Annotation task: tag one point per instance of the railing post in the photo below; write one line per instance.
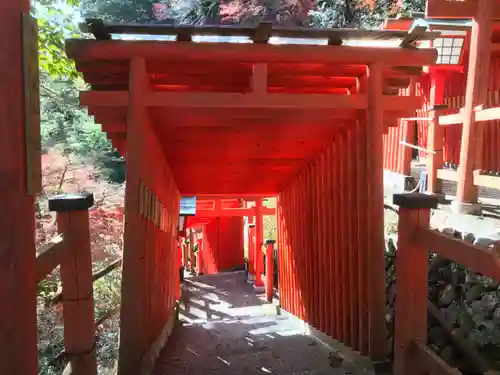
(199, 256)
(435, 135)
(76, 278)
(270, 270)
(259, 254)
(192, 260)
(251, 251)
(412, 263)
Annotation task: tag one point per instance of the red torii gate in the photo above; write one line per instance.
(460, 102)
(307, 125)
(473, 114)
(213, 207)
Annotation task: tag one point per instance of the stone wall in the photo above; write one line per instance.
(464, 308)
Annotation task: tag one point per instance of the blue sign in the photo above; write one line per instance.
(188, 206)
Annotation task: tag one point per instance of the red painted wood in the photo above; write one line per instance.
(210, 247)
(78, 300)
(251, 249)
(330, 241)
(230, 249)
(337, 240)
(361, 158)
(309, 157)
(259, 238)
(411, 275)
(304, 255)
(18, 330)
(353, 226)
(322, 238)
(270, 271)
(344, 239)
(313, 229)
(375, 124)
(294, 257)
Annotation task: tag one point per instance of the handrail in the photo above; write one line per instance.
(48, 257)
(96, 276)
(415, 241)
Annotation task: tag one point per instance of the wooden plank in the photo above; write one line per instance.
(458, 340)
(32, 105)
(478, 259)
(488, 114)
(18, 330)
(487, 181)
(411, 282)
(480, 114)
(447, 175)
(259, 239)
(89, 50)
(103, 30)
(476, 94)
(451, 119)
(249, 101)
(457, 9)
(133, 335)
(49, 257)
(429, 362)
(410, 40)
(435, 134)
(77, 297)
(376, 276)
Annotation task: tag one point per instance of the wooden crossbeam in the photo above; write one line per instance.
(410, 40)
(480, 114)
(249, 101)
(480, 260)
(481, 180)
(428, 361)
(259, 34)
(456, 9)
(234, 212)
(88, 50)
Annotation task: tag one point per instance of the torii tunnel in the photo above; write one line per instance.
(300, 122)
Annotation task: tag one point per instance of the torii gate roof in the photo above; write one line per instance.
(244, 118)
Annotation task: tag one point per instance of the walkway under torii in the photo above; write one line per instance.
(301, 122)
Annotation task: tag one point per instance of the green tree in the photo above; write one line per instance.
(64, 124)
(136, 11)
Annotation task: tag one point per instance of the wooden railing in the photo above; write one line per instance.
(412, 356)
(71, 251)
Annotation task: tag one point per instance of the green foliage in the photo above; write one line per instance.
(137, 11)
(64, 124)
(196, 12)
(56, 22)
(360, 13)
(68, 127)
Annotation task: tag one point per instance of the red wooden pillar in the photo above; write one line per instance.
(435, 140)
(192, 239)
(411, 280)
(18, 350)
(270, 270)
(476, 94)
(135, 299)
(251, 249)
(409, 136)
(375, 249)
(180, 255)
(259, 234)
(199, 255)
